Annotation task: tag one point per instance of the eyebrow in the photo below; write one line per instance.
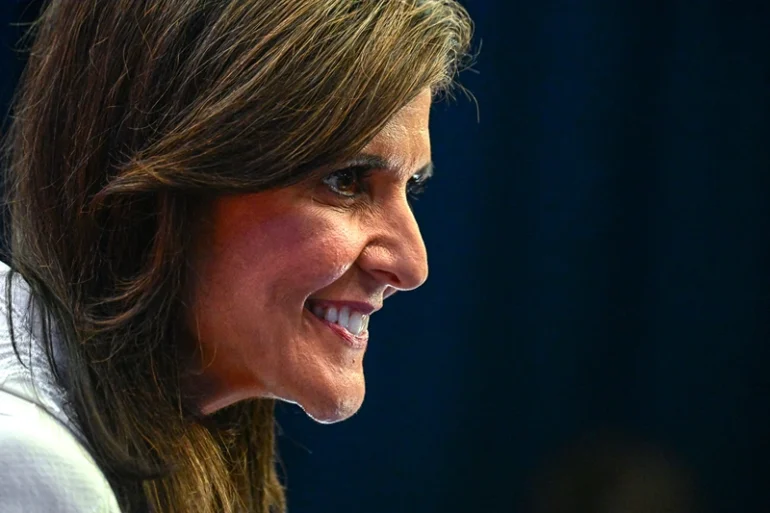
(371, 162)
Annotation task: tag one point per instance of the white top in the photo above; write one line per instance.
(45, 466)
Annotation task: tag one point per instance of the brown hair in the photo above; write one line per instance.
(130, 114)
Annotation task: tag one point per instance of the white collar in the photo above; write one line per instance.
(31, 378)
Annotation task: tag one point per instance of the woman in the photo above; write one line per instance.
(208, 201)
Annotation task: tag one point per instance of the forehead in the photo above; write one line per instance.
(405, 139)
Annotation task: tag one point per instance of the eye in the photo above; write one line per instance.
(416, 185)
(348, 182)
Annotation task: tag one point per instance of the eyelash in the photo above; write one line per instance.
(414, 188)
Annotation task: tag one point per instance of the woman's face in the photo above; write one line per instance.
(284, 281)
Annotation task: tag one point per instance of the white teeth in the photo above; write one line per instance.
(344, 317)
(356, 323)
(353, 321)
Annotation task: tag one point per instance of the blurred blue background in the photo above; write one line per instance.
(594, 334)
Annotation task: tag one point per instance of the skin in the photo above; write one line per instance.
(263, 255)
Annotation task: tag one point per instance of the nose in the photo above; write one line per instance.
(395, 254)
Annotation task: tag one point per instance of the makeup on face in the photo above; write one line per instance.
(286, 280)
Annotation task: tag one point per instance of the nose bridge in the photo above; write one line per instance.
(397, 254)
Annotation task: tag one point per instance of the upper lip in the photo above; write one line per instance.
(359, 306)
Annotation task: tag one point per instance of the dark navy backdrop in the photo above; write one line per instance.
(600, 270)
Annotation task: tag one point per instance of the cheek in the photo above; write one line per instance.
(291, 254)
(318, 254)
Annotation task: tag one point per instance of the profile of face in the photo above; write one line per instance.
(284, 281)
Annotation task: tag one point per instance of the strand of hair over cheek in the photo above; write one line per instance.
(140, 178)
(151, 177)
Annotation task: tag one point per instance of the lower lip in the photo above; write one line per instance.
(356, 342)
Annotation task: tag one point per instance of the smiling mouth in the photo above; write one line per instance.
(352, 322)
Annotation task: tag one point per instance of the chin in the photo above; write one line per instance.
(329, 410)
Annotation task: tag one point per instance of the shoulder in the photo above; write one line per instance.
(43, 466)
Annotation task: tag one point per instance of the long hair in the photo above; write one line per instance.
(130, 116)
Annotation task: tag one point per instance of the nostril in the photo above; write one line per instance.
(391, 278)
